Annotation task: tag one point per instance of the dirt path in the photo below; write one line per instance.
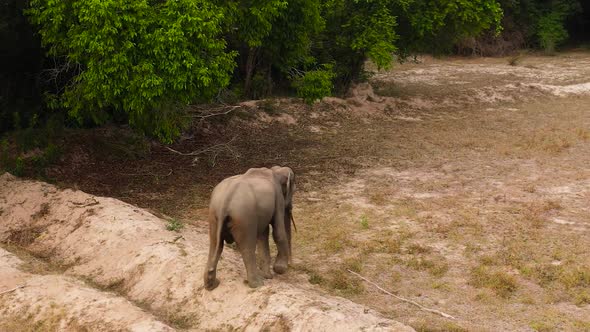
(462, 184)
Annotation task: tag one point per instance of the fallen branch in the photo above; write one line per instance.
(214, 149)
(204, 115)
(87, 202)
(148, 174)
(13, 289)
(401, 298)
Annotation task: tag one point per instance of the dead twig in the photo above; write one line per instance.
(215, 150)
(87, 202)
(148, 174)
(203, 115)
(13, 289)
(403, 299)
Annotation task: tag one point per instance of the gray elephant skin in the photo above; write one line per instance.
(242, 209)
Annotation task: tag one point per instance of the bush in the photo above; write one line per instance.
(551, 32)
(143, 58)
(315, 84)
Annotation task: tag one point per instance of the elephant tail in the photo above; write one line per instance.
(222, 220)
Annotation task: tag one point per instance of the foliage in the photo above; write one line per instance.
(356, 30)
(271, 38)
(541, 22)
(144, 58)
(435, 25)
(142, 61)
(314, 84)
(550, 29)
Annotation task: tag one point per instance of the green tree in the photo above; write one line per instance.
(250, 22)
(436, 25)
(356, 30)
(143, 58)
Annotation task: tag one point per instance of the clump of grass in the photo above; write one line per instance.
(501, 283)
(582, 325)
(336, 240)
(174, 225)
(179, 320)
(315, 278)
(354, 263)
(364, 222)
(535, 214)
(544, 274)
(582, 297)
(577, 276)
(343, 282)
(436, 267)
(441, 327)
(488, 260)
(550, 141)
(415, 248)
(386, 244)
(516, 59)
(543, 326)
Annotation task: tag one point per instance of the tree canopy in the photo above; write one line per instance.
(143, 61)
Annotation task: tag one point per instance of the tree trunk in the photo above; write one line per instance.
(250, 64)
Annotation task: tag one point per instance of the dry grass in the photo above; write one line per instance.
(500, 282)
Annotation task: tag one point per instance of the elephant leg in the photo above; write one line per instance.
(279, 235)
(246, 241)
(215, 250)
(264, 251)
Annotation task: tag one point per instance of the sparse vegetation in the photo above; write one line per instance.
(503, 284)
(175, 225)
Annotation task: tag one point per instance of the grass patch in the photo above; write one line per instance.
(174, 225)
(543, 326)
(354, 263)
(364, 222)
(337, 240)
(343, 282)
(437, 267)
(442, 327)
(500, 282)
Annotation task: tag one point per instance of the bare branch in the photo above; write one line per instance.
(403, 299)
(149, 174)
(203, 115)
(215, 150)
(12, 289)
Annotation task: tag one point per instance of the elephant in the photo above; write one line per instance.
(242, 208)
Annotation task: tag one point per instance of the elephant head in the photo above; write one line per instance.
(286, 177)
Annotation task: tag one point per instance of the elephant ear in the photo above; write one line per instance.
(286, 178)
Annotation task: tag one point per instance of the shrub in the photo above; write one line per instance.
(315, 84)
(551, 32)
(146, 59)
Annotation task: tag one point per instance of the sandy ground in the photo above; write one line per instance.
(461, 184)
(116, 267)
